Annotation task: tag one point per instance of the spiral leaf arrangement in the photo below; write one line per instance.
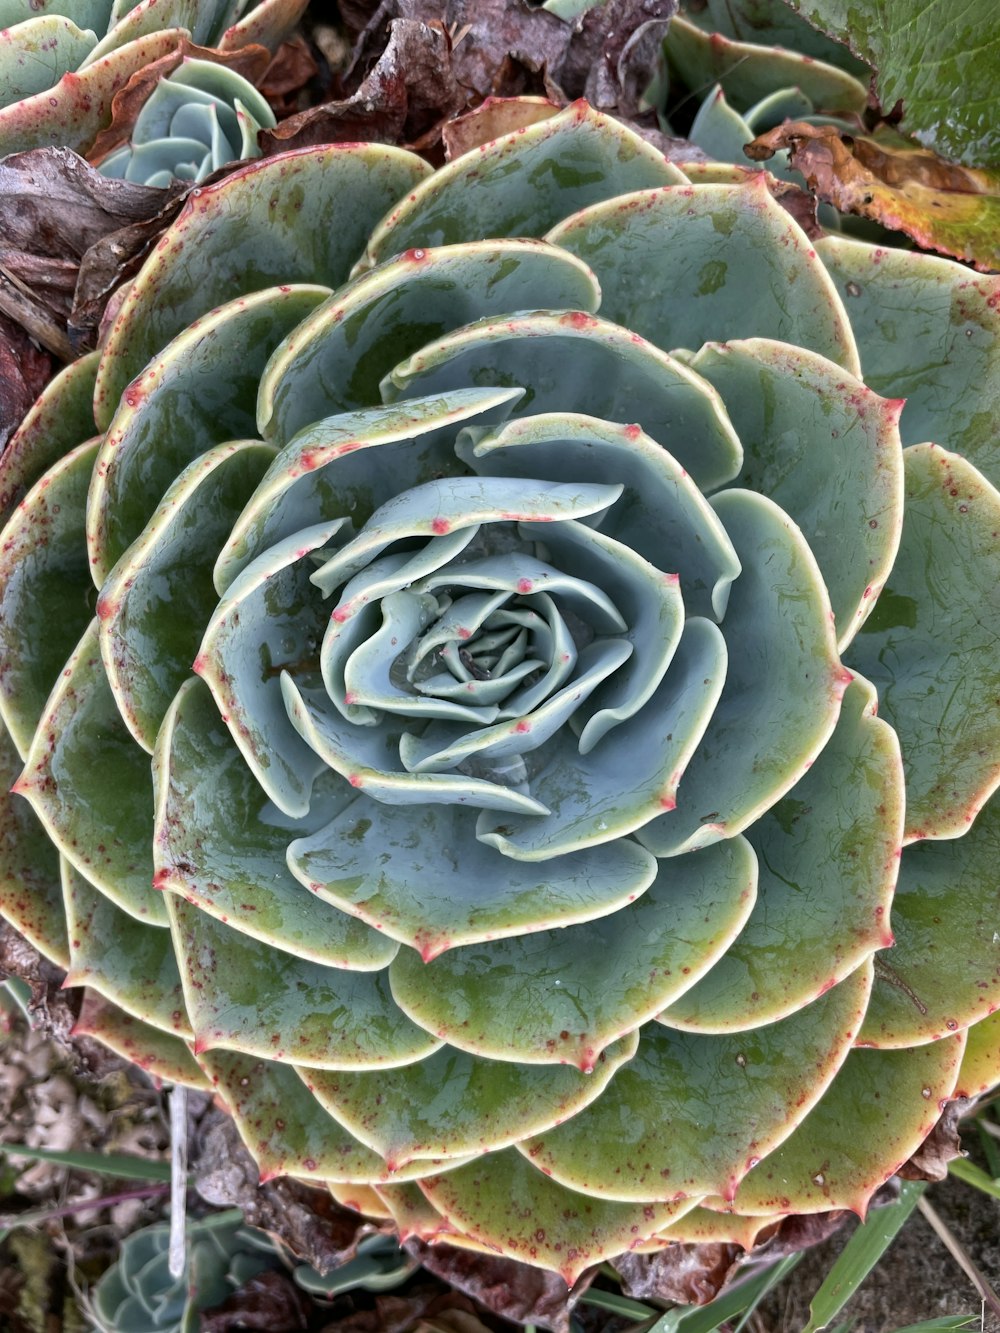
(506, 703)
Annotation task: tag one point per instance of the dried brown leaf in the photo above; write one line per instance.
(270, 1302)
(511, 1289)
(952, 209)
(24, 371)
(305, 1219)
(285, 79)
(941, 1146)
(687, 1274)
(407, 92)
(497, 116)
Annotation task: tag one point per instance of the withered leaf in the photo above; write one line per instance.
(269, 1302)
(941, 1146)
(417, 64)
(24, 371)
(952, 209)
(514, 1290)
(304, 1218)
(284, 81)
(687, 1274)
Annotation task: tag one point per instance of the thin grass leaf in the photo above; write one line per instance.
(708, 1318)
(949, 1323)
(974, 1175)
(860, 1255)
(123, 1165)
(616, 1303)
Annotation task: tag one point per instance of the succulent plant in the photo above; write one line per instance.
(196, 120)
(488, 711)
(761, 64)
(61, 63)
(137, 1294)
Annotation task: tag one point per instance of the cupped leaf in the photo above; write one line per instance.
(128, 962)
(288, 1132)
(980, 1069)
(694, 264)
(562, 996)
(243, 997)
(597, 368)
(826, 449)
(38, 52)
(30, 890)
(454, 1105)
(200, 391)
(661, 515)
(162, 1055)
(523, 183)
(774, 23)
(220, 843)
(202, 260)
(267, 22)
(159, 597)
(61, 418)
(829, 856)
(335, 360)
(397, 873)
(729, 1101)
(90, 785)
(45, 593)
(632, 774)
(502, 1201)
(749, 71)
(872, 1118)
(270, 621)
(930, 647)
(944, 972)
(327, 470)
(930, 330)
(73, 111)
(783, 689)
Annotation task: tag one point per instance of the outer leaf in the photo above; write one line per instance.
(163, 1056)
(829, 856)
(285, 1008)
(549, 1226)
(454, 1105)
(729, 1101)
(981, 1063)
(562, 996)
(931, 653)
(944, 972)
(685, 266)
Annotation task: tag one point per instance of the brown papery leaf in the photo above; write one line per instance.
(514, 1290)
(687, 1274)
(497, 116)
(941, 1146)
(304, 1218)
(250, 61)
(24, 372)
(952, 209)
(269, 1302)
(418, 64)
(284, 80)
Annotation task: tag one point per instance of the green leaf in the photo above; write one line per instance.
(860, 1255)
(974, 1175)
(939, 58)
(125, 1165)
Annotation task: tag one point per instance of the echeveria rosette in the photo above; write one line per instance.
(62, 61)
(536, 679)
(195, 120)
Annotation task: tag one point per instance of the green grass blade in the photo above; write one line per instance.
(707, 1318)
(949, 1323)
(860, 1255)
(121, 1165)
(962, 1169)
(615, 1303)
